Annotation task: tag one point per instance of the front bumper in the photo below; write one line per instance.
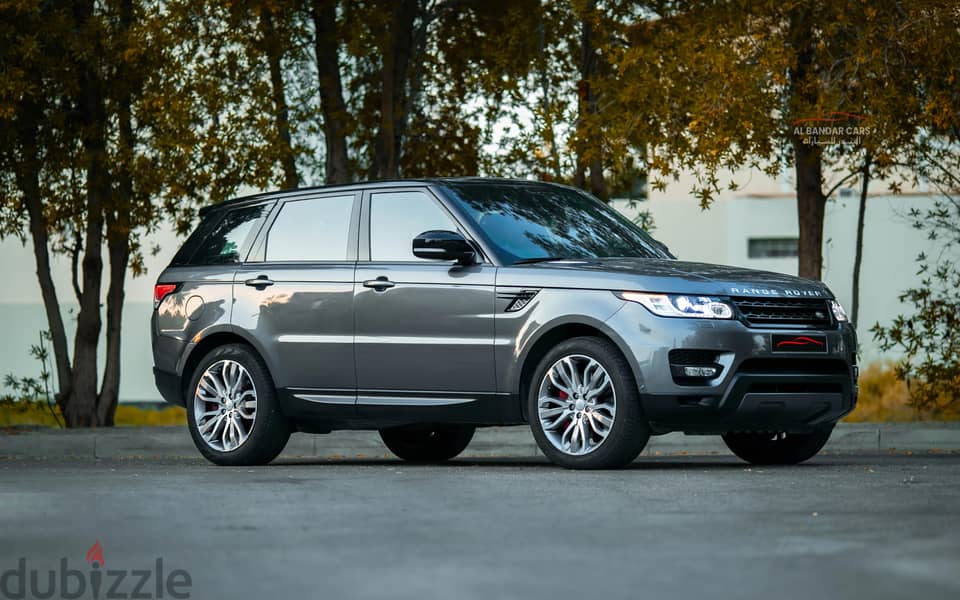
(757, 390)
(772, 401)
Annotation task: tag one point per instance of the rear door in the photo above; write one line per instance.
(425, 330)
(294, 296)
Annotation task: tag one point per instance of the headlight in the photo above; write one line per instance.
(674, 305)
(838, 313)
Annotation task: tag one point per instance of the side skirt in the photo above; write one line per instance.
(326, 410)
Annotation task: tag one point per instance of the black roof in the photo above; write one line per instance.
(253, 198)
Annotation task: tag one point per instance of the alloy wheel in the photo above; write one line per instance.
(576, 404)
(225, 405)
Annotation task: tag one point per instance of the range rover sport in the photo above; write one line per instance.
(424, 309)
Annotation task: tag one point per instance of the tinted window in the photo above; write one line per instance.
(225, 240)
(398, 217)
(310, 230)
(530, 221)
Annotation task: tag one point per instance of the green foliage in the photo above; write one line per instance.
(929, 335)
(28, 393)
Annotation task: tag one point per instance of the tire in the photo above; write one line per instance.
(607, 435)
(427, 443)
(777, 448)
(266, 433)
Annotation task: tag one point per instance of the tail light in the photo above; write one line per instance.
(161, 291)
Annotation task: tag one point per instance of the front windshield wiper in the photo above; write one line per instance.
(539, 259)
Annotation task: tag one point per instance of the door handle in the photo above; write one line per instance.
(380, 284)
(259, 282)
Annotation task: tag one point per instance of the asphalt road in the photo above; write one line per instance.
(678, 527)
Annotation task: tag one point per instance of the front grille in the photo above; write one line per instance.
(780, 312)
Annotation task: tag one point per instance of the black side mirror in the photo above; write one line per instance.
(444, 245)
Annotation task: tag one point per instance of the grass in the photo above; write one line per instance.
(883, 398)
(13, 414)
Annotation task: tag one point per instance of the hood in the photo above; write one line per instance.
(662, 275)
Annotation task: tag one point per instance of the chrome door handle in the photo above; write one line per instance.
(380, 284)
(259, 282)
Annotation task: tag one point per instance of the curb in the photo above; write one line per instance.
(517, 442)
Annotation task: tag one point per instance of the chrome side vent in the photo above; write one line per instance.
(516, 299)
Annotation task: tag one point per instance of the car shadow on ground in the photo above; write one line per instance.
(659, 463)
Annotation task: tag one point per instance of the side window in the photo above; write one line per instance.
(398, 217)
(225, 240)
(316, 229)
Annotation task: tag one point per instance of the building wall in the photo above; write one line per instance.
(718, 235)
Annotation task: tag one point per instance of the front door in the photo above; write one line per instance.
(424, 329)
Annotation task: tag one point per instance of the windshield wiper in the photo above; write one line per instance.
(539, 259)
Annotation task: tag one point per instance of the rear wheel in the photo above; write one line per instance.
(777, 448)
(584, 407)
(427, 444)
(232, 409)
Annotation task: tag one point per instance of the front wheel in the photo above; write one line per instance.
(777, 448)
(427, 444)
(584, 406)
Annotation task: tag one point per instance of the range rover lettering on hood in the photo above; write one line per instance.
(752, 291)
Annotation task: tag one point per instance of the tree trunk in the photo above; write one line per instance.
(811, 204)
(118, 249)
(81, 410)
(273, 48)
(588, 106)
(119, 231)
(858, 256)
(396, 63)
(811, 201)
(326, 47)
(28, 178)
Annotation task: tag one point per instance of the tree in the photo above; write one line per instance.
(99, 146)
(708, 87)
(928, 337)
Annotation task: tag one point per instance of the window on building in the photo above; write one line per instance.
(772, 247)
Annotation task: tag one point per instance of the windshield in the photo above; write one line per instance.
(534, 221)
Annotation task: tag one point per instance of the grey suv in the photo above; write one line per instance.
(424, 309)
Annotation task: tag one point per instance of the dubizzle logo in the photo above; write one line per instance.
(95, 555)
(98, 582)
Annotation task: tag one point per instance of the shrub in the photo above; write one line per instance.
(886, 397)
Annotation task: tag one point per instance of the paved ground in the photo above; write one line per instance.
(677, 527)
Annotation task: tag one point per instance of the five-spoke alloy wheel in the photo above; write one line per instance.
(584, 407)
(232, 410)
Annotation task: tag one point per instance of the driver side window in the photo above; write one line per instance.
(398, 217)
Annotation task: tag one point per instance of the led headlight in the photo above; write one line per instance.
(676, 305)
(838, 313)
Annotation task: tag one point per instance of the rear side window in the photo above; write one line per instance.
(317, 229)
(223, 241)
